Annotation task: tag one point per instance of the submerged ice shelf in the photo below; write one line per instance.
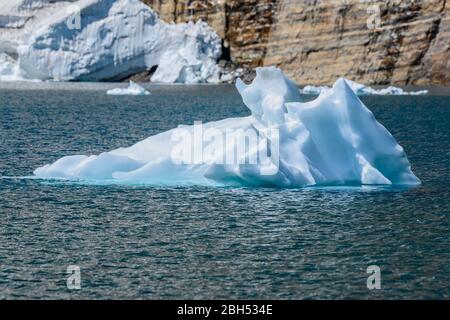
(333, 140)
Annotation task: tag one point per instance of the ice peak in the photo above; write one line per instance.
(267, 95)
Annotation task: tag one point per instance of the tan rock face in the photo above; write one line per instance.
(316, 42)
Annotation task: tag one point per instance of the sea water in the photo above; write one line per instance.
(209, 242)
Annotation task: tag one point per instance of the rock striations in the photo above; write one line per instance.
(399, 42)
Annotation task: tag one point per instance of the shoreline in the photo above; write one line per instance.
(99, 86)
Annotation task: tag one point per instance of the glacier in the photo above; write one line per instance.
(363, 90)
(333, 140)
(102, 40)
(133, 89)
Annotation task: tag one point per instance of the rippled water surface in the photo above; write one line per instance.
(201, 242)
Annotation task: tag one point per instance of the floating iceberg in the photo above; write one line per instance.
(133, 89)
(314, 89)
(333, 140)
(363, 90)
(95, 40)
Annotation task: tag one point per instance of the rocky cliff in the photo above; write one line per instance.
(375, 42)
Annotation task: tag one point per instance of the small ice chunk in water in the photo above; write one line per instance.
(285, 143)
(133, 89)
(363, 90)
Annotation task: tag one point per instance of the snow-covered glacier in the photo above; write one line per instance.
(332, 140)
(94, 40)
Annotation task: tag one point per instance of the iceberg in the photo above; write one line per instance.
(102, 40)
(333, 140)
(133, 89)
(313, 89)
(363, 90)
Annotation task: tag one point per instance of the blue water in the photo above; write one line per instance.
(205, 242)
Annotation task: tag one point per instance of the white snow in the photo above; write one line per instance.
(363, 90)
(333, 140)
(133, 89)
(103, 40)
(8, 68)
